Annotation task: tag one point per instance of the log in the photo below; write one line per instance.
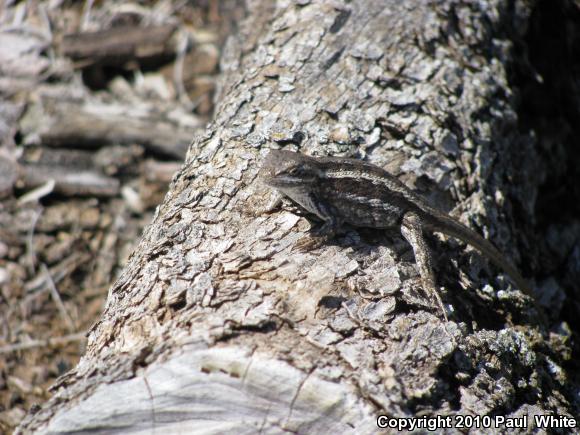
(120, 45)
(72, 172)
(61, 122)
(217, 326)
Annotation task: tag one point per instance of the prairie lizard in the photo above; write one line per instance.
(342, 190)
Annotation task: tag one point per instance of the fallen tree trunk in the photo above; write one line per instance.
(218, 326)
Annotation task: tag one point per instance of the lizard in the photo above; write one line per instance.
(350, 191)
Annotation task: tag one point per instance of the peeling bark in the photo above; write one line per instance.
(217, 326)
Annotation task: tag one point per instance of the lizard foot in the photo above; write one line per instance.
(309, 243)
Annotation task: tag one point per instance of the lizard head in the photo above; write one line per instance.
(286, 170)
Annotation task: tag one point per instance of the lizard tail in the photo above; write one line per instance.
(456, 229)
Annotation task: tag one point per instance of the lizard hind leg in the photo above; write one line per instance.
(412, 231)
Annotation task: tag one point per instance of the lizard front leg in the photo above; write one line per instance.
(325, 233)
(412, 231)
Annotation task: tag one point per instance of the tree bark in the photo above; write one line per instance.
(217, 326)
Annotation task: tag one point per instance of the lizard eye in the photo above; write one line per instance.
(294, 171)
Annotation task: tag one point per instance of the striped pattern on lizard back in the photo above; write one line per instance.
(364, 198)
